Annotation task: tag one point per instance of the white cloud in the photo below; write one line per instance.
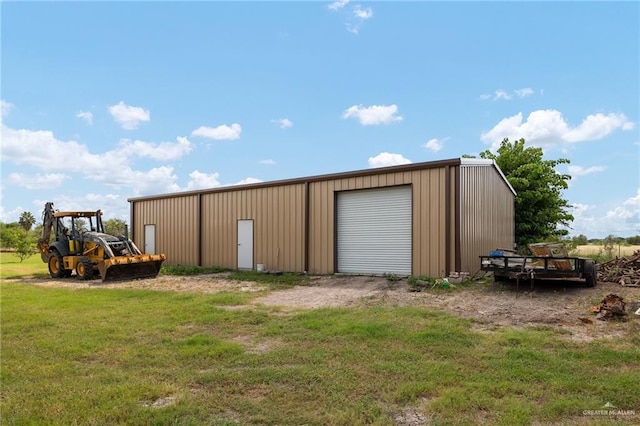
(338, 4)
(524, 92)
(163, 151)
(201, 180)
(356, 15)
(129, 117)
(9, 216)
(158, 180)
(40, 149)
(373, 115)
(597, 126)
(359, 16)
(268, 161)
(284, 123)
(362, 14)
(87, 116)
(247, 181)
(549, 127)
(622, 220)
(222, 132)
(434, 144)
(629, 212)
(582, 171)
(385, 159)
(37, 181)
(502, 94)
(5, 108)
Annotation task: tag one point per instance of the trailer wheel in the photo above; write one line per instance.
(590, 273)
(56, 265)
(84, 269)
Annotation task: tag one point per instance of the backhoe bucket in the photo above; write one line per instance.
(131, 267)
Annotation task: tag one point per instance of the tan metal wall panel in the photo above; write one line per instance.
(278, 215)
(428, 218)
(175, 220)
(429, 226)
(487, 216)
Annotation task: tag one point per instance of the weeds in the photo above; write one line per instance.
(422, 283)
(284, 280)
(392, 279)
(190, 270)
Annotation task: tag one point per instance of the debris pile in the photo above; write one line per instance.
(612, 306)
(625, 270)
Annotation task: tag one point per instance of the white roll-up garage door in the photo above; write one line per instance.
(374, 231)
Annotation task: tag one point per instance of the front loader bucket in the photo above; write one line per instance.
(121, 268)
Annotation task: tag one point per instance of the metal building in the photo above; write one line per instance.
(422, 219)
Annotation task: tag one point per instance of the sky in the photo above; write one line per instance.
(104, 101)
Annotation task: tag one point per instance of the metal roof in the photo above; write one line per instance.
(332, 176)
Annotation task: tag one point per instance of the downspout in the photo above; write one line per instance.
(199, 229)
(131, 221)
(305, 254)
(458, 253)
(447, 219)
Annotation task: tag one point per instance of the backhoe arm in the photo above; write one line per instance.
(47, 224)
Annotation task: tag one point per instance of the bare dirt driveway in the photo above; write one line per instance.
(559, 305)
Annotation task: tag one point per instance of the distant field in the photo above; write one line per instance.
(617, 250)
(11, 267)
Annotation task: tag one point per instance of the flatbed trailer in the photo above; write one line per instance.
(506, 264)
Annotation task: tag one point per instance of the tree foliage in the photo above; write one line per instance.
(580, 240)
(13, 236)
(633, 240)
(10, 234)
(26, 221)
(540, 210)
(115, 227)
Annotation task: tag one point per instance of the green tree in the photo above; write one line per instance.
(609, 242)
(13, 237)
(81, 224)
(10, 234)
(25, 248)
(115, 227)
(26, 221)
(540, 210)
(580, 240)
(633, 240)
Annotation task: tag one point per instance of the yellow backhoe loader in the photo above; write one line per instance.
(89, 253)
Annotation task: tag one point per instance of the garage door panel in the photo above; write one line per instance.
(374, 231)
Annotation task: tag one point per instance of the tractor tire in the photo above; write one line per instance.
(590, 274)
(56, 265)
(84, 269)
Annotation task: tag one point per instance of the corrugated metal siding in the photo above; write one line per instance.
(278, 229)
(176, 227)
(428, 218)
(429, 225)
(487, 217)
(374, 231)
(279, 220)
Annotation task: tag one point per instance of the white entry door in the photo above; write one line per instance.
(150, 239)
(245, 244)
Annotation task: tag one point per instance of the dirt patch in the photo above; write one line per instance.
(491, 305)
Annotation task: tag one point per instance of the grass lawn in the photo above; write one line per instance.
(11, 267)
(99, 356)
